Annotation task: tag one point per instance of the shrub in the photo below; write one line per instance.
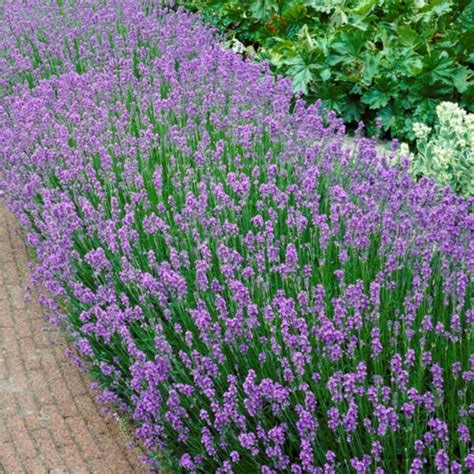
(365, 59)
(44, 39)
(255, 295)
(446, 153)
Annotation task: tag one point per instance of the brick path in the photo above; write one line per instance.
(49, 421)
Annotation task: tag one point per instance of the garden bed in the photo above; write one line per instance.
(255, 295)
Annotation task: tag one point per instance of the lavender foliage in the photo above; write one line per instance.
(255, 294)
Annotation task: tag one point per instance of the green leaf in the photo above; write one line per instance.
(466, 19)
(460, 80)
(301, 74)
(467, 99)
(305, 36)
(375, 98)
(335, 59)
(439, 8)
(411, 63)
(295, 13)
(263, 9)
(332, 96)
(325, 74)
(364, 7)
(350, 44)
(407, 35)
(371, 68)
(387, 116)
(338, 18)
(440, 68)
(351, 110)
(467, 41)
(324, 6)
(426, 111)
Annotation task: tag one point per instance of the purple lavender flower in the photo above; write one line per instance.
(253, 292)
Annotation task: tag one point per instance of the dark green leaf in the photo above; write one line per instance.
(263, 9)
(300, 73)
(371, 68)
(375, 98)
(460, 80)
(466, 19)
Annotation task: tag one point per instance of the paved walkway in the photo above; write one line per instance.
(49, 421)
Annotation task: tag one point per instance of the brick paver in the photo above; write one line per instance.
(49, 420)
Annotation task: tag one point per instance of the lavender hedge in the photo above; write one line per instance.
(255, 295)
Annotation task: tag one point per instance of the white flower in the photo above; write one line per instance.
(421, 130)
(469, 124)
(442, 155)
(404, 150)
(446, 153)
(450, 114)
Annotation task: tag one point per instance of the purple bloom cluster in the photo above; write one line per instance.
(258, 295)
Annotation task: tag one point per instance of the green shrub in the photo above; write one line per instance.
(393, 59)
(446, 152)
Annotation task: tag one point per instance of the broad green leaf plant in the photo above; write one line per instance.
(393, 59)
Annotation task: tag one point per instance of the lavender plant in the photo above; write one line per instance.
(254, 294)
(39, 40)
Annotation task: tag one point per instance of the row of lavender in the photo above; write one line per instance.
(255, 295)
